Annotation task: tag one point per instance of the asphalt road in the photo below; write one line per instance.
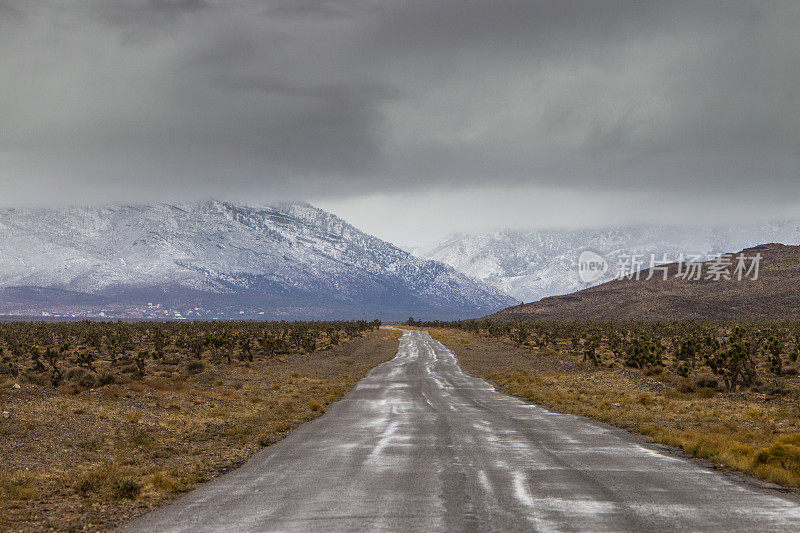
(420, 445)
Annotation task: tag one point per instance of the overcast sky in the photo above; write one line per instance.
(410, 119)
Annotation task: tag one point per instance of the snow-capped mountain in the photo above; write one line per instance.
(220, 259)
(530, 265)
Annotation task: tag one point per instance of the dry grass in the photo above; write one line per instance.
(748, 432)
(92, 459)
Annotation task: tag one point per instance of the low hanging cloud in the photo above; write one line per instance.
(116, 100)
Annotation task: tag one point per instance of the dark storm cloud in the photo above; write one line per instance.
(325, 8)
(654, 94)
(147, 12)
(8, 11)
(117, 99)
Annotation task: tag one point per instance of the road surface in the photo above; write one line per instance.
(420, 445)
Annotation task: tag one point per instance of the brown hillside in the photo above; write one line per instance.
(775, 295)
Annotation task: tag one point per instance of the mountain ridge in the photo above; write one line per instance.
(533, 264)
(773, 295)
(287, 260)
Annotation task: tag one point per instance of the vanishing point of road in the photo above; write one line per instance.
(420, 445)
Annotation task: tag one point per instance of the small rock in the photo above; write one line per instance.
(16, 386)
(6, 414)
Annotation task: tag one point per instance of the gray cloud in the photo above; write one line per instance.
(318, 8)
(111, 100)
(144, 13)
(9, 12)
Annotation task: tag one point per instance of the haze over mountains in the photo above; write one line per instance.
(772, 295)
(220, 260)
(294, 261)
(531, 265)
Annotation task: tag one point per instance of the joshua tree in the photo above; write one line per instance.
(196, 345)
(590, 350)
(245, 350)
(228, 343)
(37, 361)
(642, 353)
(309, 343)
(520, 335)
(687, 351)
(734, 362)
(774, 360)
(333, 335)
(85, 359)
(141, 361)
(52, 357)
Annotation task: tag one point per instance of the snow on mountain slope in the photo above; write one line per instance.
(530, 265)
(291, 260)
